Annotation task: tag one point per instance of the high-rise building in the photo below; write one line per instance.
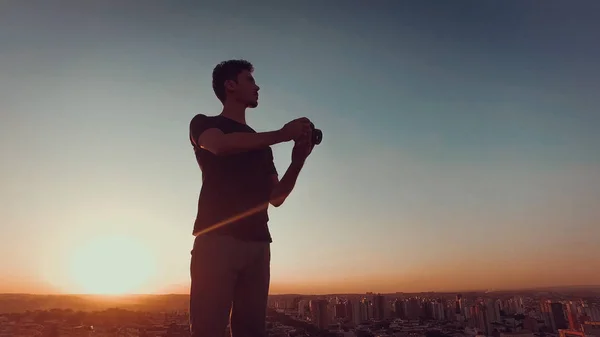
(303, 309)
(493, 311)
(427, 310)
(520, 308)
(546, 315)
(399, 308)
(354, 312)
(513, 306)
(558, 313)
(553, 315)
(379, 307)
(465, 314)
(487, 313)
(413, 311)
(459, 304)
(350, 311)
(498, 304)
(365, 310)
(436, 310)
(477, 317)
(450, 313)
(572, 317)
(319, 313)
(340, 311)
(331, 310)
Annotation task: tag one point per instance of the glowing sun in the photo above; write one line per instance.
(111, 266)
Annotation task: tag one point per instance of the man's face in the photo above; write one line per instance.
(245, 90)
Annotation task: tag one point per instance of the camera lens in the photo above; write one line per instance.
(317, 135)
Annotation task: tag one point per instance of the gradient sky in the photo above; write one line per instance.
(461, 143)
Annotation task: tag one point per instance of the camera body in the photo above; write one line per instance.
(316, 134)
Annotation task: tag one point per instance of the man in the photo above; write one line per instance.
(230, 264)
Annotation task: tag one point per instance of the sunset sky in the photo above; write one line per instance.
(461, 146)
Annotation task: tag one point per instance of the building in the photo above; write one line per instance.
(553, 315)
(340, 310)
(413, 311)
(399, 308)
(572, 317)
(558, 314)
(458, 304)
(365, 312)
(319, 314)
(592, 311)
(379, 307)
(303, 309)
(353, 311)
(591, 329)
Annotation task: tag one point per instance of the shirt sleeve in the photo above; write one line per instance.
(198, 124)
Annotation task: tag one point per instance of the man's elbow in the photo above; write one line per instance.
(276, 201)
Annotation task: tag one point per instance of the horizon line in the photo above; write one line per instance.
(318, 293)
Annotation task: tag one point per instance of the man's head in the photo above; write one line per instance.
(232, 80)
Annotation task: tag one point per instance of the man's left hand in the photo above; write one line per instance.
(302, 149)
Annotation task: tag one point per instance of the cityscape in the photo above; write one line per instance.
(349, 168)
(564, 312)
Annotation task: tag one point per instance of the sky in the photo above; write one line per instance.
(460, 145)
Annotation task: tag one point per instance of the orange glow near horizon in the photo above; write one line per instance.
(118, 264)
(106, 265)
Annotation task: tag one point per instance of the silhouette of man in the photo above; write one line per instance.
(230, 263)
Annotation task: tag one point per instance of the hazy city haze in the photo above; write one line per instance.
(460, 141)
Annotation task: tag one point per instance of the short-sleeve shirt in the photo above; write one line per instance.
(236, 188)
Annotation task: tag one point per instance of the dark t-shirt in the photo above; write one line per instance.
(235, 188)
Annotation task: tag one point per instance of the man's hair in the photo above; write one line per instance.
(228, 70)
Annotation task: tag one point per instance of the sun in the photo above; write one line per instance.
(111, 266)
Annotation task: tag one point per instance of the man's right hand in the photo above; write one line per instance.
(295, 129)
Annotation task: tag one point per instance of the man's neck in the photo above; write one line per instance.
(234, 111)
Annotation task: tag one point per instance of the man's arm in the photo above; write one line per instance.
(212, 139)
(221, 144)
(282, 189)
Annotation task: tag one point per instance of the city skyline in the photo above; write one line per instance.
(524, 314)
(459, 151)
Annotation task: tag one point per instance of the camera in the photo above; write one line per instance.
(317, 134)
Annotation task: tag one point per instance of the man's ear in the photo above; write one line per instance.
(230, 85)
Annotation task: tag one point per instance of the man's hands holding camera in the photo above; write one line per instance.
(295, 129)
(301, 132)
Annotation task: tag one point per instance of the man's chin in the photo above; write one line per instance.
(252, 105)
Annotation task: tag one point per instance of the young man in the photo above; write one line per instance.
(230, 264)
